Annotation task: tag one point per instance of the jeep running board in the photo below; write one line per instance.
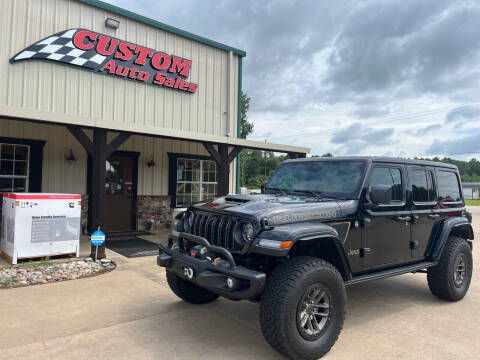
(390, 272)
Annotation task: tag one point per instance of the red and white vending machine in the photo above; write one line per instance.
(40, 224)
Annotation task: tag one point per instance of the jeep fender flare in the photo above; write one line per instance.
(452, 226)
(334, 239)
(303, 232)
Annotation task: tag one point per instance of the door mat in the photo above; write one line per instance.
(132, 247)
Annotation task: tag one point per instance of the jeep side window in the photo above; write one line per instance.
(422, 185)
(448, 186)
(391, 177)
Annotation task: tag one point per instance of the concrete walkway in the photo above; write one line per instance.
(131, 314)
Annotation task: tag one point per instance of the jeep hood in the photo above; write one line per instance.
(279, 209)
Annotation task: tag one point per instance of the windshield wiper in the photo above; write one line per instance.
(277, 189)
(314, 193)
(337, 198)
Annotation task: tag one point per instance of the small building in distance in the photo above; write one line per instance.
(471, 190)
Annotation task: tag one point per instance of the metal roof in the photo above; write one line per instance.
(171, 29)
(379, 159)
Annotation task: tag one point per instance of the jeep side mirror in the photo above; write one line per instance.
(381, 194)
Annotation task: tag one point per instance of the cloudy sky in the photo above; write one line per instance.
(396, 78)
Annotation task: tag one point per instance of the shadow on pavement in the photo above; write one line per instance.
(228, 329)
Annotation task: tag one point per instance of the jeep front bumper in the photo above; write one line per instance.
(212, 275)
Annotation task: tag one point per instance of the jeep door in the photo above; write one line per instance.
(386, 226)
(423, 202)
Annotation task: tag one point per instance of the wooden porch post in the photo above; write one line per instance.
(99, 159)
(223, 158)
(223, 171)
(99, 151)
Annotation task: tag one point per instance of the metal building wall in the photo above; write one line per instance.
(467, 193)
(78, 96)
(59, 175)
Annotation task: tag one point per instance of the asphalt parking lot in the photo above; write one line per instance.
(130, 313)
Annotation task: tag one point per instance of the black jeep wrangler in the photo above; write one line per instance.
(319, 225)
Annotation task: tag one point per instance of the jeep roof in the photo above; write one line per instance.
(376, 159)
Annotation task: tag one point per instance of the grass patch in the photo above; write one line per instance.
(34, 264)
(472, 202)
(40, 263)
(7, 282)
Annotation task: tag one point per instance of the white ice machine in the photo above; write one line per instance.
(40, 224)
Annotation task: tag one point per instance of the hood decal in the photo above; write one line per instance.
(314, 214)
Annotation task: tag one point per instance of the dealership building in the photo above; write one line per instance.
(137, 116)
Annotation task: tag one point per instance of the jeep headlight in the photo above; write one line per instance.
(248, 231)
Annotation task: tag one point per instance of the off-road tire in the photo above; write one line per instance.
(188, 291)
(278, 311)
(440, 277)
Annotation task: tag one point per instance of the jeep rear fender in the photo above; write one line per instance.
(457, 226)
(312, 236)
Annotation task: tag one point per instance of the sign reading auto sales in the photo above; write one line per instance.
(108, 55)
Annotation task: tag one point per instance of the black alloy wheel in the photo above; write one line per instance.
(314, 312)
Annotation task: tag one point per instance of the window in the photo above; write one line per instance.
(422, 185)
(14, 167)
(328, 178)
(196, 181)
(391, 177)
(448, 186)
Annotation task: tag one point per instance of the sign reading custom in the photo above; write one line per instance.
(108, 55)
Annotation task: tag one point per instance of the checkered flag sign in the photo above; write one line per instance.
(60, 47)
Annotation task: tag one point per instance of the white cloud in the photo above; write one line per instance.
(349, 77)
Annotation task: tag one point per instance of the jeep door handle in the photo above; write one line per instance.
(404, 218)
(433, 216)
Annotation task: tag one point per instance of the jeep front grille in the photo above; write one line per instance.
(217, 229)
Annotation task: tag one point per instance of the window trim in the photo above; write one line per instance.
(200, 182)
(35, 165)
(13, 176)
(172, 172)
(404, 187)
(434, 185)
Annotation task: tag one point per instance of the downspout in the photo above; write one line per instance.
(239, 119)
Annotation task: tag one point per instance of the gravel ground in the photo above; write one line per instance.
(43, 272)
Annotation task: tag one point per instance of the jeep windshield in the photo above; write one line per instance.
(325, 179)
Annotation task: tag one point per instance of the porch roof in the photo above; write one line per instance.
(145, 130)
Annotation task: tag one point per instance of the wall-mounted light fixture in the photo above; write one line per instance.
(151, 163)
(112, 23)
(71, 158)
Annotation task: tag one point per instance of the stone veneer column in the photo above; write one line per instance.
(153, 211)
